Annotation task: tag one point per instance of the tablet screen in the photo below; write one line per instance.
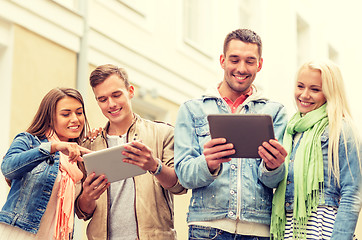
(245, 131)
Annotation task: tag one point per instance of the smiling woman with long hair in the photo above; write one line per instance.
(41, 166)
(320, 197)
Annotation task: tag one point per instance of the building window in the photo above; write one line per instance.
(136, 6)
(303, 41)
(148, 110)
(198, 24)
(71, 4)
(333, 54)
(245, 10)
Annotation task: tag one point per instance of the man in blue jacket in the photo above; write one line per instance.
(231, 197)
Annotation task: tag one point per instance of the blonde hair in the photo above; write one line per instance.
(338, 112)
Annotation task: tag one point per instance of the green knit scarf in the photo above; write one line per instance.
(308, 173)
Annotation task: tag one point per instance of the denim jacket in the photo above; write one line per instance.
(32, 171)
(216, 196)
(347, 197)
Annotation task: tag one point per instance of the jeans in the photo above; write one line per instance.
(201, 232)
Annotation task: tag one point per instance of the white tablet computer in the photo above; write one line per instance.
(109, 162)
(246, 131)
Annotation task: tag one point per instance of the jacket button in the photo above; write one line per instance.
(233, 167)
(287, 204)
(231, 213)
(232, 192)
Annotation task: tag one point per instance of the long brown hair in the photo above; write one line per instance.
(44, 118)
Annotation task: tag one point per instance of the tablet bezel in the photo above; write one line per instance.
(246, 131)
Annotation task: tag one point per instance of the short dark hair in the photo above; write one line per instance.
(244, 35)
(102, 72)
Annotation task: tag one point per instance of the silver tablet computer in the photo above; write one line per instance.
(246, 131)
(109, 162)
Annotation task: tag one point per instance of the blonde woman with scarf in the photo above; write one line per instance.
(41, 166)
(320, 197)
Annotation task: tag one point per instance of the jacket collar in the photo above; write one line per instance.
(135, 119)
(213, 93)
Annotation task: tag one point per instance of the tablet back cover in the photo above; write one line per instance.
(109, 162)
(246, 131)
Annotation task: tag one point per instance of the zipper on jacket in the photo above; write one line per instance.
(108, 208)
(135, 211)
(134, 183)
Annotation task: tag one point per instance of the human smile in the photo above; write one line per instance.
(241, 77)
(305, 104)
(74, 127)
(115, 112)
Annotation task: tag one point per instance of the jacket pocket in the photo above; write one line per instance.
(202, 127)
(202, 131)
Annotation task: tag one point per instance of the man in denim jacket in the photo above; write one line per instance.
(231, 198)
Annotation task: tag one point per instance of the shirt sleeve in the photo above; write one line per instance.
(46, 147)
(350, 188)
(23, 157)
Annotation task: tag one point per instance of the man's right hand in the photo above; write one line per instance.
(93, 188)
(216, 152)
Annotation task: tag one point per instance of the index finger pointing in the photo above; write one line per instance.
(84, 150)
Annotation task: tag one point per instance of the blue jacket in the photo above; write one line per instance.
(32, 171)
(347, 196)
(215, 196)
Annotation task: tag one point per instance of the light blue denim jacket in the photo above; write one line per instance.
(346, 197)
(216, 196)
(32, 171)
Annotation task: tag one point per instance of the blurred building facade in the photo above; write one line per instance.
(170, 49)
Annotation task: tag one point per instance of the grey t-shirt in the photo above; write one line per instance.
(122, 220)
